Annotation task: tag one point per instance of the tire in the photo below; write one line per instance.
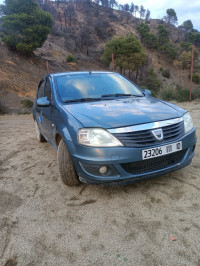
(66, 167)
(39, 136)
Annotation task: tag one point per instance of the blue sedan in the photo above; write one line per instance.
(106, 130)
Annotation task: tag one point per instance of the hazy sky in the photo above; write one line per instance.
(184, 9)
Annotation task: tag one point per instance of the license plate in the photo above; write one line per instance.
(162, 150)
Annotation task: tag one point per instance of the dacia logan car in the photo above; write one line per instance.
(107, 130)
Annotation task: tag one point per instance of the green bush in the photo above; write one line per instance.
(27, 103)
(178, 93)
(169, 50)
(70, 58)
(152, 82)
(167, 93)
(166, 73)
(196, 93)
(196, 78)
(151, 41)
(182, 95)
(185, 45)
(24, 48)
(148, 38)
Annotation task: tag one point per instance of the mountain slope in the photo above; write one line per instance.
(83, 31)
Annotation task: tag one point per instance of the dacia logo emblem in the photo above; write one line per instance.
(158, 133)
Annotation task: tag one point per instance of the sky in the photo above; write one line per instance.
(184, 9)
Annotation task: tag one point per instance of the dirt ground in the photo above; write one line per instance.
(43, 222)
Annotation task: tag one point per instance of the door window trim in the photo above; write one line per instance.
(40, 84)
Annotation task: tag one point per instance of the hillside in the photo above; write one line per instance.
(81, 30)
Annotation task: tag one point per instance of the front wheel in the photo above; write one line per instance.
(66, 167)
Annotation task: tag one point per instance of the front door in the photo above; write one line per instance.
(47, 112)
(40, 94)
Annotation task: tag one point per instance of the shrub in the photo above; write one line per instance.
(27, 103)
(152, 82)
(196, 78)
(166, 73)
(182, 95)
(169, 50)
(185, 45)
(24, 48)
(168, 93)
(70, 58)
(148, 38)
(178, 93)
(196, 93)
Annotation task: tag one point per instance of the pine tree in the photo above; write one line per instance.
(24, 25)
(128, 53)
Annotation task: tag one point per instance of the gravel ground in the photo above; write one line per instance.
(43, 222)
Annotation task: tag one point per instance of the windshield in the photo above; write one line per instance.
(95, 86)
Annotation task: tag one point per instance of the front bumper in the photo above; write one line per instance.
(87, 159)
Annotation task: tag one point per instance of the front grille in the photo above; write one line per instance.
(145, 137)
(154, 164)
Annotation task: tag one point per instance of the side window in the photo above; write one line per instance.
(40, 89)
(47, 92)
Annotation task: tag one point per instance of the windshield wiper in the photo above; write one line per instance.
(102, 96)
(119, 95)
(83, 100)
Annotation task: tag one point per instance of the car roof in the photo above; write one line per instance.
(79, 73)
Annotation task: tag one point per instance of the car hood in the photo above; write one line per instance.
(123, 112)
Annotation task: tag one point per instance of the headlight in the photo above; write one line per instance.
(188, 124)
(97, 137)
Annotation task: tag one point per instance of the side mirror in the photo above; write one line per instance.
(147, 92)
(43, 102)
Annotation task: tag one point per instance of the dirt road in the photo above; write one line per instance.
(43, 222)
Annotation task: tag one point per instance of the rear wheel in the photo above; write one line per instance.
(39, 136)
(66, 167)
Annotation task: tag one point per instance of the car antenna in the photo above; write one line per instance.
(90, 72)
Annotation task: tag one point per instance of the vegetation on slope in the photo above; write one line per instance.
(83, 31)
(24, 25)
(128, 53)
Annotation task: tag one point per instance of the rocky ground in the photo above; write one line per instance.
(43, 222)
